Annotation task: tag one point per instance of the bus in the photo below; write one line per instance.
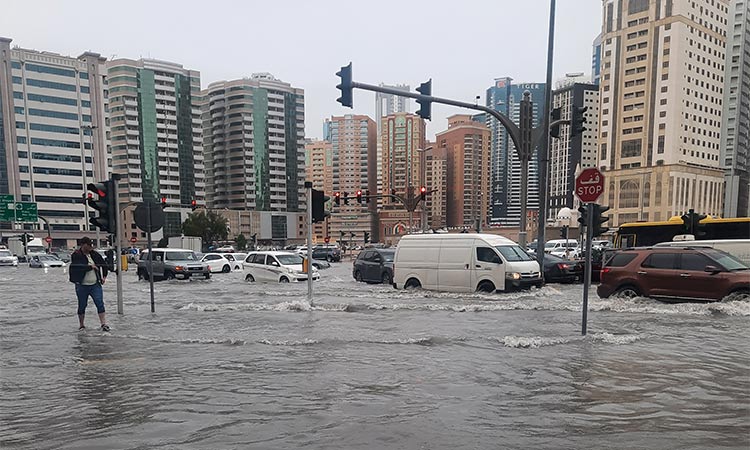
(643, 234)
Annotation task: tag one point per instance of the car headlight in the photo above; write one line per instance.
(179, 268)
(513, 275)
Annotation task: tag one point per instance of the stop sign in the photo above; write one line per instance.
(48, 239)
(589, 185)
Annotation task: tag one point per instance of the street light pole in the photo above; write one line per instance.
(423, 161)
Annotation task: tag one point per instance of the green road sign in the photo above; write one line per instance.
(6, 208)
(26, 212)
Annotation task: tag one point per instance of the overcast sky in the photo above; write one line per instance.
(462, 45)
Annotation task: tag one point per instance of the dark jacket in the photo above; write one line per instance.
(79, 265)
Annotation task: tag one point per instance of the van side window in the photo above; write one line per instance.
(486, 254)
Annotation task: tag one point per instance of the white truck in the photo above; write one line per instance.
(194, 243)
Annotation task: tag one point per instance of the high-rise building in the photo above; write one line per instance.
(354, 151)
(436, 182)
(569, 154)
(661, 93)
(402, 136)
(466, 144)
(596, 60)
(504, 96)
(254, 138)
(385, 105)
(319, 171)
(52, 133)
(156, 135)
(735, 124)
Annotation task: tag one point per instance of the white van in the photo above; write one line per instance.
(739, 248)
(463, 263)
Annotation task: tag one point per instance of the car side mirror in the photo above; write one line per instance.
(712, 269)
(274, 263)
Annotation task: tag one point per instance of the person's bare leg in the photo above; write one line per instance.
(101, 319)
(80, 320)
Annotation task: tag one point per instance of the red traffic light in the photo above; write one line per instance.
(423, 192)
(193, 203)
(164, 200)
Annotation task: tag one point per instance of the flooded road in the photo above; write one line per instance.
(224, 364)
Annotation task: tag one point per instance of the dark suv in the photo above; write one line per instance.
(328, 253)
(677, 274)
(374, 265)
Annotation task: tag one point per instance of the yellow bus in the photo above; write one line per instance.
(642, 234)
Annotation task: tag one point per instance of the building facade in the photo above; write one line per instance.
(596, 60)
(354, 152)
(735, 124)
(436, 182)
(52, 134)
(466, 144)
(402, 138)
(156, 135)
(661, 91)
(505, 96)
(319, 171)
(570, 154)
(254, 142)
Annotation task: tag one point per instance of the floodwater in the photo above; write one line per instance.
(224, 364)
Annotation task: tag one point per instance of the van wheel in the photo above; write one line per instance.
(226, 269)
(358, 276)
(249, 278)
(284, 280)
(386, 278)
(628, 292)
(486, 286)
(329, 259)
(412, 283)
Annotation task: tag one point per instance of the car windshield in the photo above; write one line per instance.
(550, 245)
(513, 253)
(5, 253)
(47, 258)
(729, 262)
(240, 256)
(181, 256)
(289, 260)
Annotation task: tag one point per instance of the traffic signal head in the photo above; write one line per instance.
(564, 232)
(691, 223)
(367, 196)
(346, 198)
(337, 198)
(425, 106)
(599, 219)
(319, 200)
(193, 205)
(367, 237)
(103, 198)
(583, 214)
(359, 196)
(578, 120)
(423, 193)
(554, 129)
(345, 86)
(163, 202)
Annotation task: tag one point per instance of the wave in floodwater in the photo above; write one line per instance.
(644, 306)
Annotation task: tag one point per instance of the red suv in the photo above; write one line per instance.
(669, 273)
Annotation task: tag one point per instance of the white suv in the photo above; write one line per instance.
(277, 266)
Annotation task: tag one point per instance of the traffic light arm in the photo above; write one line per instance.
(512, 128)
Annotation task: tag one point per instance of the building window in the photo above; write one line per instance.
(660, 145)
(631, 148)
(629, 194)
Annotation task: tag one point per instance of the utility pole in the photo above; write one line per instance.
(545, 141)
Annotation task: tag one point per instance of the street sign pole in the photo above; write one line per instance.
(587, 269)
(150, 257)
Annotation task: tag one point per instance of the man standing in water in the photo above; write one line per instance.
(88, 271)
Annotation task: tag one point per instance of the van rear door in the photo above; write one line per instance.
(454, 267)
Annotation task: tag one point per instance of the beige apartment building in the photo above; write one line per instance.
(466, 144)
(436, 180)
(661, 90)
(354, 157)
(319, 171)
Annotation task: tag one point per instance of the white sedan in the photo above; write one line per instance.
(236, 258)
(219, 263)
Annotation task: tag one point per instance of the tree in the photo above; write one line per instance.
(209, 226)
(241, 242)
(163, 242)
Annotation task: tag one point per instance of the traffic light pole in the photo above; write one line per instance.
(308, 187)
(118, 242)
(587, 269)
